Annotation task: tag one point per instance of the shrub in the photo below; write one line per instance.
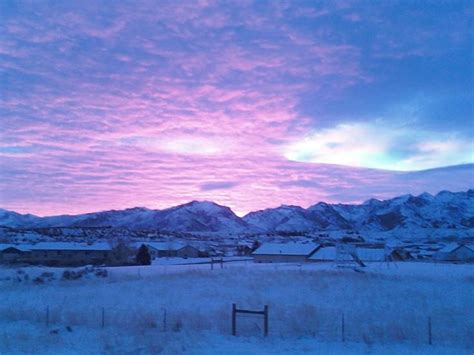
(72, 275)
(178, 326)
(101, 273)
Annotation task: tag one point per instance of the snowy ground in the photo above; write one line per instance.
(385, 309)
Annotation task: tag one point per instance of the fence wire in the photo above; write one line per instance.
(284, 321)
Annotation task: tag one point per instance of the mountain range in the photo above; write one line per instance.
(443, 210)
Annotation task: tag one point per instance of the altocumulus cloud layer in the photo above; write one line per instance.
(248, 103)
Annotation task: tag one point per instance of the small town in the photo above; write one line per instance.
(102, 253)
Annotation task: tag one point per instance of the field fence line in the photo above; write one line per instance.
(322, 324)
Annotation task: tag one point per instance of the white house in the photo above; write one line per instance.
(371, 254)
(359, 254)
(325, 254)
(456, 252)
(284, 252)
(348, 254)
(342, 254)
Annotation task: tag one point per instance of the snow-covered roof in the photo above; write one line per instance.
(445, 253)
(66, 246)
(286, 249)
(422, 252)
(163, 246)
(364, 254)
(371, 254)
(449, 248)
(16, 246)
(326, 253)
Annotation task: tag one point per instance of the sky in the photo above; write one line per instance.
(251, 104)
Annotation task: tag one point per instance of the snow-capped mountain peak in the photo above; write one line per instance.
(443, 210)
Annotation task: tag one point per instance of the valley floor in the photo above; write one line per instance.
(173, 309)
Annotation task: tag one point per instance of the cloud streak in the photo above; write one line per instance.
(382, 145)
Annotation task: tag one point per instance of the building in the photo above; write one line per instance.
(456, 252)
(372, 254)
(188, 251)
(58, 253)
(70, 253)
(326, 254)
(359, 255)
(11, 253)
(162, 249)
(343, 255)
(284, 252)
(170, 249)
(399, 254)
(243, 249)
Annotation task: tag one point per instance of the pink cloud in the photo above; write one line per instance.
(125, 107)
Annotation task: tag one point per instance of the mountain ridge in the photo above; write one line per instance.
(444, 210)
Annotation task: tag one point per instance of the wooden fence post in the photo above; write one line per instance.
(164, 320)
(222, 263)
(343, 328)
(265, 324)
(429, 332)
(233, 320)
(212, 263)
(263, 313)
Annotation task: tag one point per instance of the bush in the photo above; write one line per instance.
(177, 326)
(71, 275)
(76, 275)
(22, 276)
(101, 273)
(44, 277)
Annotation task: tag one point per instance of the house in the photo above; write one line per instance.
(170, 249)
(326, 254)
(359, 254)
(371, 254)
(243, 249)
(188, 251)
(399, 254)
(58, 253)
(342, 254)
(456, 252)
(162, 249)
(284, 252)
(11, 253)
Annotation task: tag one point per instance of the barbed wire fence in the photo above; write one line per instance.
(283, 321)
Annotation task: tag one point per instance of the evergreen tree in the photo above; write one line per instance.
(256, 245)
(143, 256)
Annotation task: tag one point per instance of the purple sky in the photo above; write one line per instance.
(251, 104)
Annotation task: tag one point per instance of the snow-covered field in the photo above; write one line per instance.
(187, 309)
